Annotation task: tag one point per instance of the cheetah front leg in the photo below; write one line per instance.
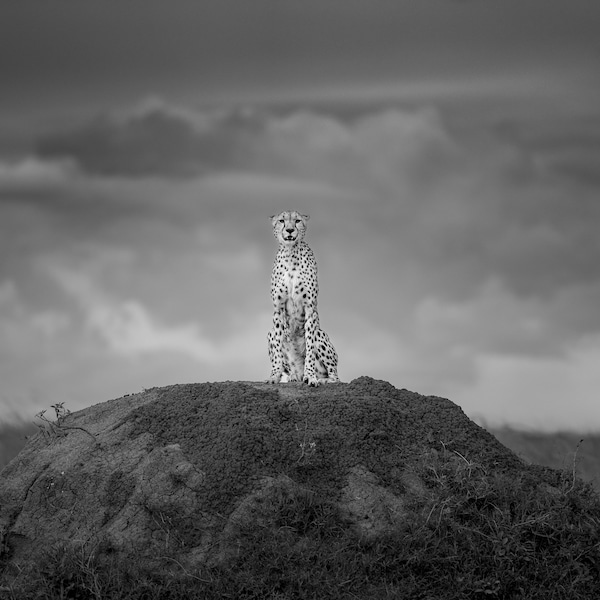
(275, 345)
(310, 327)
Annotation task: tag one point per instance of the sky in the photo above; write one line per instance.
(447, 152)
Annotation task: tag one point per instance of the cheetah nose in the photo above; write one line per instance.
(290, 230)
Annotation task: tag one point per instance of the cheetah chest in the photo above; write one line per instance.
(294, 297)
(293, 289)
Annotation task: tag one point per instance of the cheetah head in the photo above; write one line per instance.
(289, 227)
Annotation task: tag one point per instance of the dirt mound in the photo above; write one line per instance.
(183, 471)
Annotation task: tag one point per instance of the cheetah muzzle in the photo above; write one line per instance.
(298, 347)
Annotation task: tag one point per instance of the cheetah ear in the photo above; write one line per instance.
(305, 217)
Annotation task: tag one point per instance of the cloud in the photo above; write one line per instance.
(444, 249)
(564, 145)
(19, 324)
(479, 323)
(371, 154)
(453, 209)
(244, 49)
(129, 330)
(36, 344)
(545, 393)
(98, 344)
(156, 139)
(159, 139)
(33, 173)
(496, 323)
(126, 326)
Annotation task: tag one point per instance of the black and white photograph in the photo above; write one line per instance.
(171, 175)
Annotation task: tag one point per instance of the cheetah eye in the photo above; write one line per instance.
(281, 221)
(298, 220)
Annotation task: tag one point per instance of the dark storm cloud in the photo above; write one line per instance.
(135, 245)
(463, 224)
(102, 48)
(466, 211)
(157, 141)
(569, 146)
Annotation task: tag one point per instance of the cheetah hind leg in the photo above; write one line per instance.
(329, 377)
(333, 378)
(326, 360)
(319, 375)
(331, 374)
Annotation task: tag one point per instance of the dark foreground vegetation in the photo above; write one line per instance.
(485, 535)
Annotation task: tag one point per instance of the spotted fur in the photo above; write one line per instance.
(298, 347)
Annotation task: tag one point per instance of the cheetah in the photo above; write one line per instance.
(297, 345)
